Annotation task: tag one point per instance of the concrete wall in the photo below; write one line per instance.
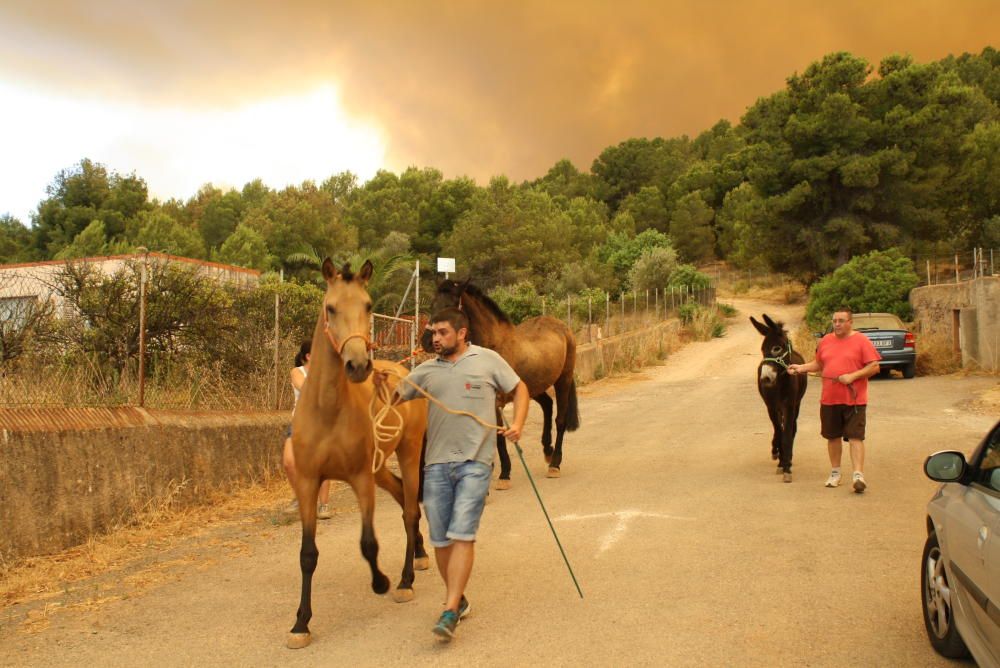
(598, 359)
(69, 473)
(66, 474)
(967, 313)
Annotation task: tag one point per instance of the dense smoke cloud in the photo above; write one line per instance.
(473, 88)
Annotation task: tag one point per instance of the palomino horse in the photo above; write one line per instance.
(332, 437)
(542, 351)
(781, 391)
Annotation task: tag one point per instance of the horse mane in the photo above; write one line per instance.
(345, 272)
(489, 303)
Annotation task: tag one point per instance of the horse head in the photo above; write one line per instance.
(347, 310)
(776, 350)
(448, 295)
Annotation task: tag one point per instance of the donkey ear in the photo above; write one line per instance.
(329, 271)
(760, 328)
(770, 323)
(366, 272)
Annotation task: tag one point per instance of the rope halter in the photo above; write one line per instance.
(782, 359)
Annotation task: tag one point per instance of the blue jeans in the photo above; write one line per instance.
(454, 496)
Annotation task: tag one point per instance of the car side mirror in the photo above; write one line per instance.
(946, 466)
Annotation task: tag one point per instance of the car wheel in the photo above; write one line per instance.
(939, 619)
(910, 370)
(884, 372)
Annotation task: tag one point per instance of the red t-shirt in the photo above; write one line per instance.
(840, 356)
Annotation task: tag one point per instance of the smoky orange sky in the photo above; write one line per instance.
(470, 87)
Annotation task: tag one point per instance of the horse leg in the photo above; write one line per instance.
(394, 485)
(562, 410)
(363, 485)
(545, 401)
(306, 491)
(503, 454)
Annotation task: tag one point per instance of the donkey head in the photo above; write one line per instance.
(347, 312)
(776, 349)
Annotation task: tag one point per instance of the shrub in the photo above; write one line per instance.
(518, 301)
(879, 281)
(686, 274)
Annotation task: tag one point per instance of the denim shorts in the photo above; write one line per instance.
(454, 496)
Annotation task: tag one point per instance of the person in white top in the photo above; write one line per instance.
(298, 378)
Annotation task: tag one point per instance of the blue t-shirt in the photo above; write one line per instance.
(471, 383)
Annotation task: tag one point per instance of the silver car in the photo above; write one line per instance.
(960, 574)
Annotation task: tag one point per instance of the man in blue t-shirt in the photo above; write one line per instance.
(459, 455)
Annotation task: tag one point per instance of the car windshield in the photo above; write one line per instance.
(877, 321)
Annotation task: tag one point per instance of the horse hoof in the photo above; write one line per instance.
(548, 459)
(298, 640)
(553, 472)
(503, 484)
(381, 584)
(779, 470)
(774, 456)
(421, 563)
(786, 477)
(402, 595)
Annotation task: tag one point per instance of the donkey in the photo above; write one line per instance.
(781, 391)
(332, 438)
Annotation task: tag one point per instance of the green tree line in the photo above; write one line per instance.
(846, 159)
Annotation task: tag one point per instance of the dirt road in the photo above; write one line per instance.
(689, 549)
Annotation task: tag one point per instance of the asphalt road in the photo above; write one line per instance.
(689, 549)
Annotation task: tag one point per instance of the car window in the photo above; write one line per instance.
(878, 321)
(989, 467)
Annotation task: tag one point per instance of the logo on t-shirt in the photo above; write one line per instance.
(473, 386)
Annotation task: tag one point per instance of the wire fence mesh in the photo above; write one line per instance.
(212, 337)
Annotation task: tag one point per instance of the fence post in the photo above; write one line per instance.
(928, 272)
(416, 315)
(956, 267)
(672, 307)
(543, 304)
(623, 310)
(590, 319)
(277, 335)
(142, 328)
(569, 312)
(607, 312)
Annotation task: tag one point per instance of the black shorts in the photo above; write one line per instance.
(842, 421)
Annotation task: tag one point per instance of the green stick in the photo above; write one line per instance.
(520, 454)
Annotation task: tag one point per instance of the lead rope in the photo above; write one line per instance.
(520, 453)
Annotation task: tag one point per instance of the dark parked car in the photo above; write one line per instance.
(960, 569)
(891, 339)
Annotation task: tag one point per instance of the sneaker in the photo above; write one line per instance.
(292, 508)
(833, 480)
(859, 482)
(463, 608)
(323, 512)
(445, 627)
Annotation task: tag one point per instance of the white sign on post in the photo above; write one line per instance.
(446, 265)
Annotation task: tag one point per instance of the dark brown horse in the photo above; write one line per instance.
(541, 350)
(332, 437)
(782, 392)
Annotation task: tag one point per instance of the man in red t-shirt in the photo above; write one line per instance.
(846, 360)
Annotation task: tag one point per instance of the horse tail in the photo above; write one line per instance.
(572, 409)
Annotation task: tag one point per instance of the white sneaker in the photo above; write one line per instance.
(833, 480)
(859, 482)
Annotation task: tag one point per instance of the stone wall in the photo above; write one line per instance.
(66, 474)
(966, 313)
(598, 359)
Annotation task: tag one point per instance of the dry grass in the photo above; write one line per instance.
(635, 353)
(767, 287)
(804, 341)
(936, 355)
(157, 528)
